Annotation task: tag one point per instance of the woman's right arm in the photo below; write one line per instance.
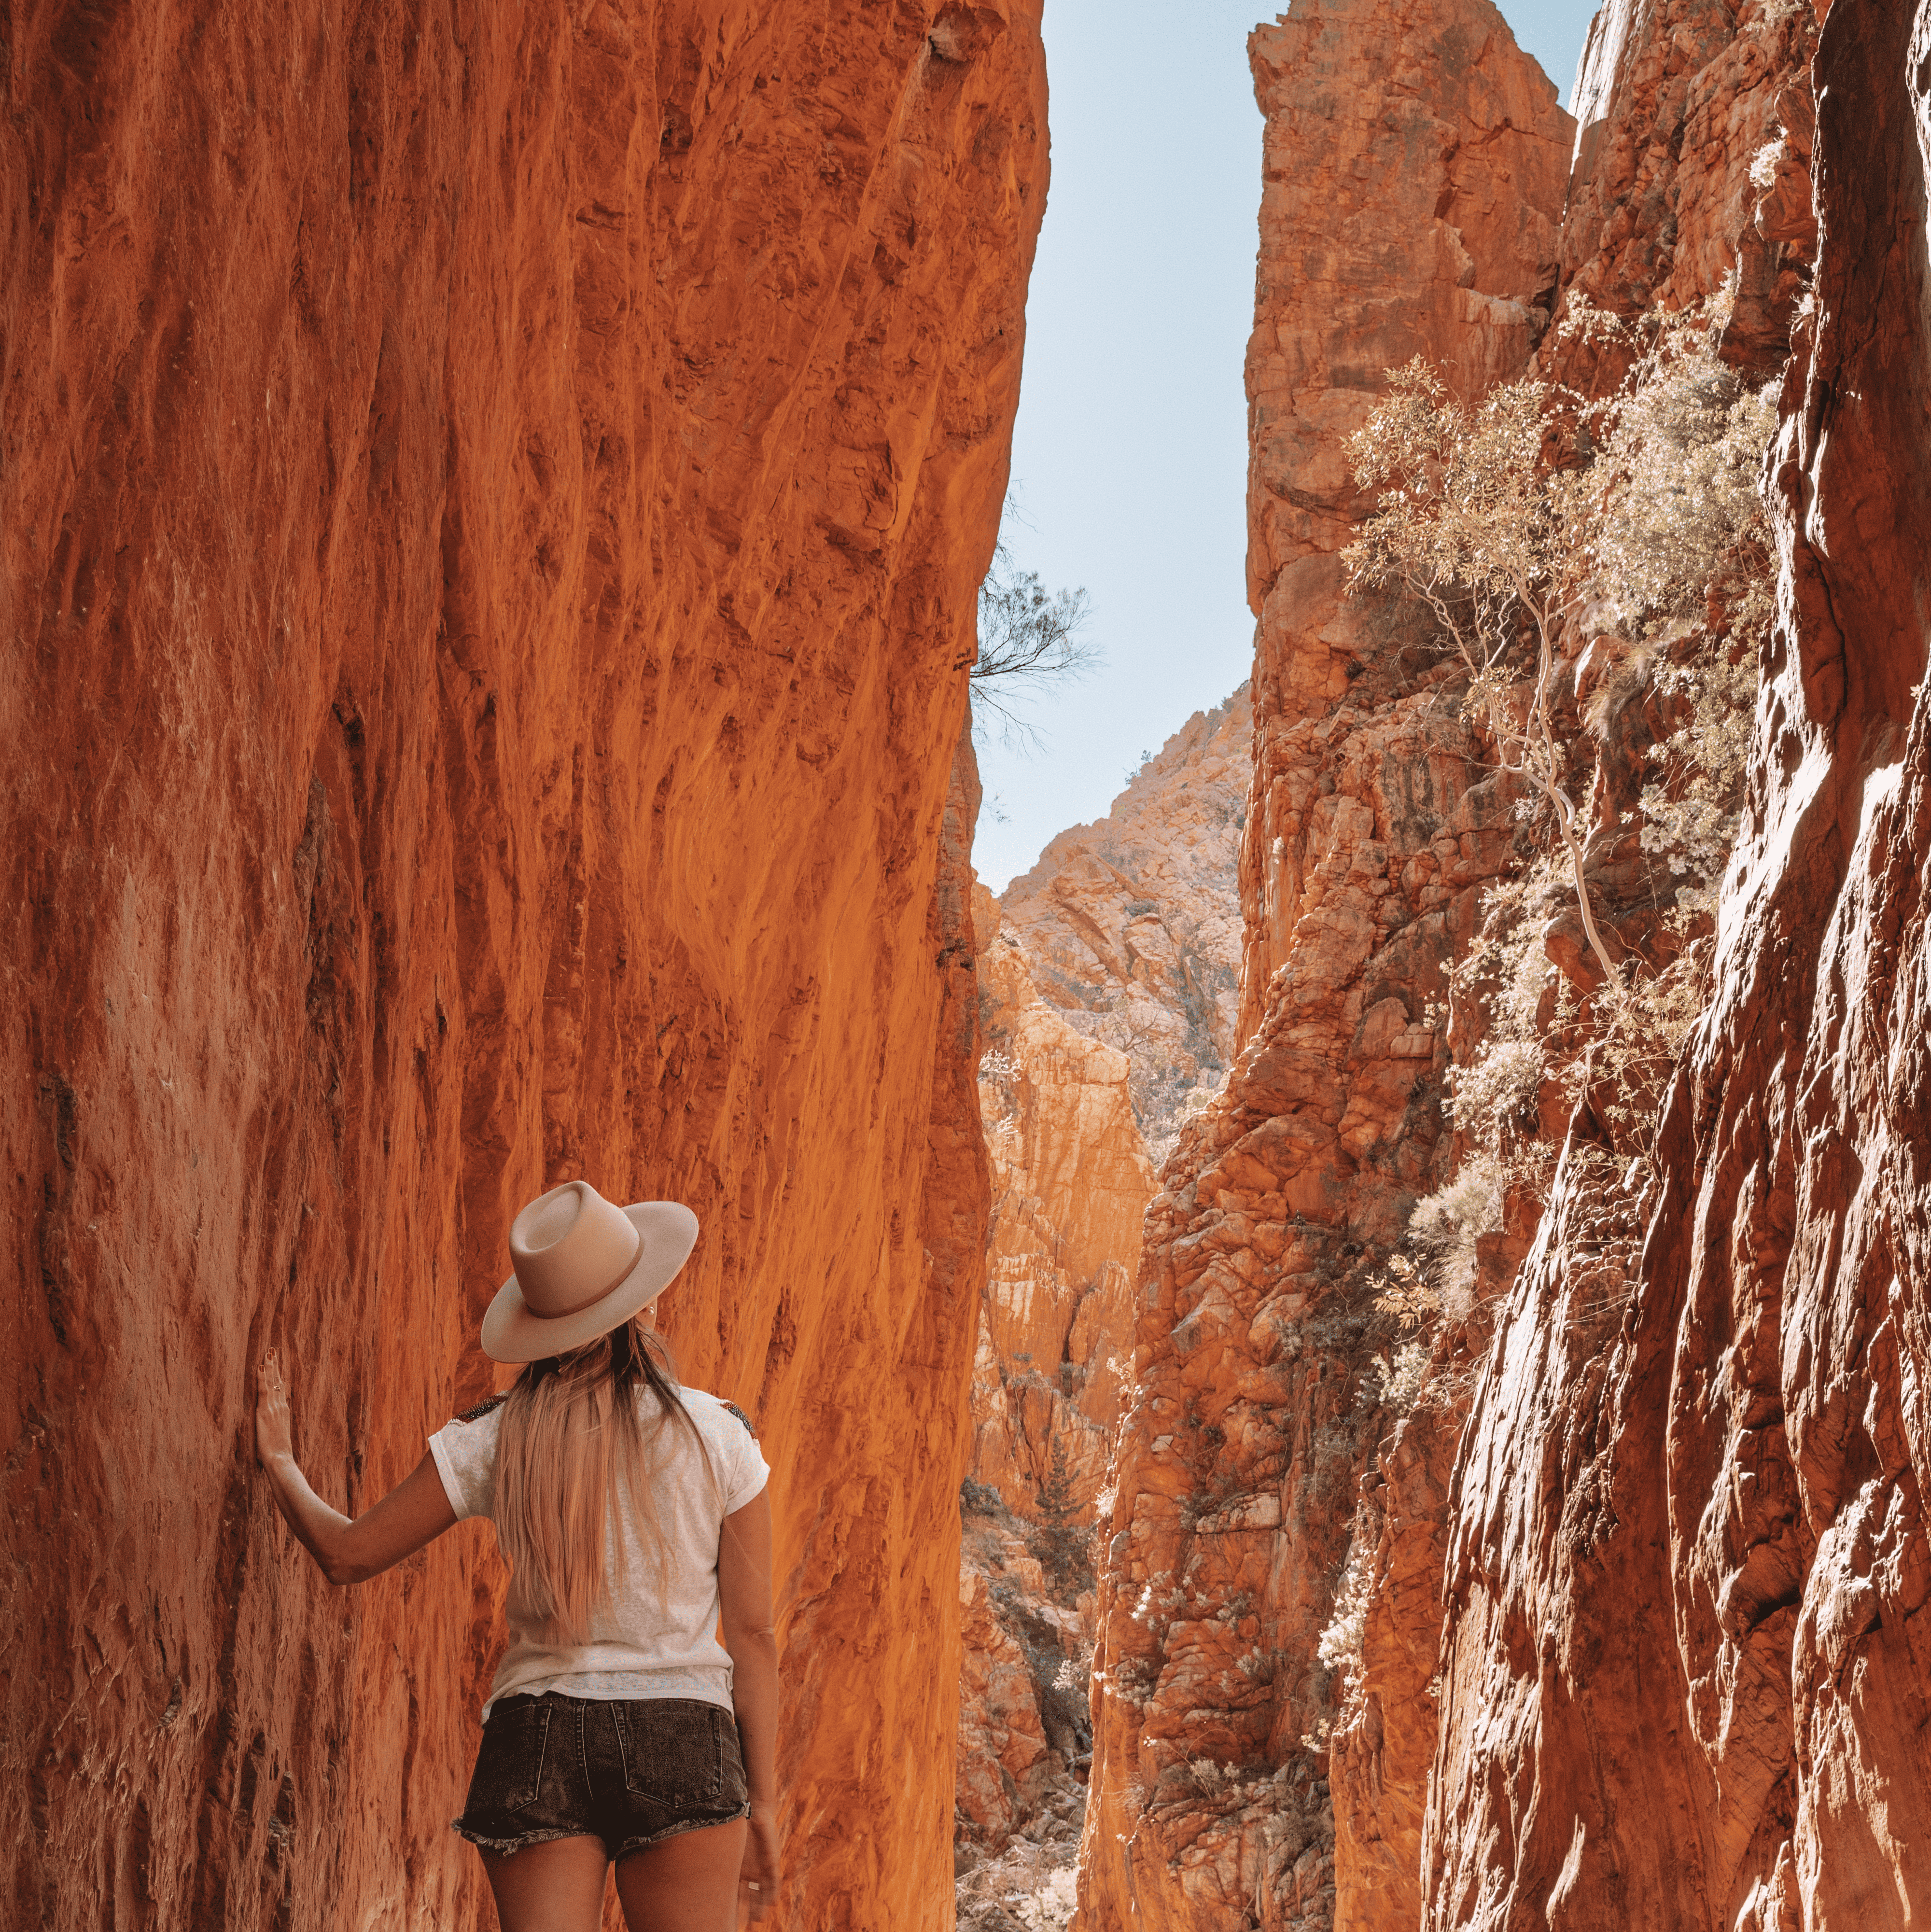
(744, 1588)
(416, 1511)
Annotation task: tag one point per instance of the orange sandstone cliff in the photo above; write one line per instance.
(1132, 924)
(1685, 1544)
(1414, 169)
(490, 506)
(1070, 1182)
(1106, 976)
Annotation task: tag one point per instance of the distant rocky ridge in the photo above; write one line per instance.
(1132, 924)
(1108, 994)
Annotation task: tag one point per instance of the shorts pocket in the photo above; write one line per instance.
(509, 1767)
(673, 1751)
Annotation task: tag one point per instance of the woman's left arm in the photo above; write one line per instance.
(416, 1511)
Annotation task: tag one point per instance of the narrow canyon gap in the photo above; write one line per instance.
(491, 503)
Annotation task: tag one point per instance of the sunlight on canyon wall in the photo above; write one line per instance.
(492, 504)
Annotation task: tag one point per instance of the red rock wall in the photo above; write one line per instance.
(491, 504)
(1415, 162)
(1686, 1555)
(1070, 1181)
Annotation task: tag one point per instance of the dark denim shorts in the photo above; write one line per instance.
(629, 1772)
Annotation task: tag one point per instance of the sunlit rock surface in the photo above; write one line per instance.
(1107, 998)
(1070, 1181)
(1132, 924)
(1415, 162)
(1639, 1575)
(490, 507)
(1687, 1548)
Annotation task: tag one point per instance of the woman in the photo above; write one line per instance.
(635, 1517)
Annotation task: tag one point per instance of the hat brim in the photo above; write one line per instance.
(512, 1333)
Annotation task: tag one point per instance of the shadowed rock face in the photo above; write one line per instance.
(491, 506)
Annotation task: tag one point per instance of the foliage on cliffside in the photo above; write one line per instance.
(1518, 525)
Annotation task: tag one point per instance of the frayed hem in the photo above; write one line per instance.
(509, 1847)
(678, 1830)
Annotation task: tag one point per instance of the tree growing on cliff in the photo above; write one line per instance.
(1538, 516)
(1534, 524)
(1062, 1548)
(1473, 523)
(1029, 639)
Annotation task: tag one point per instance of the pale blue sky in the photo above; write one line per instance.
(1130, 459)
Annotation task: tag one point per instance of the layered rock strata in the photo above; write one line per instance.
(1415, 165)
(493, 503)
(1132, 924)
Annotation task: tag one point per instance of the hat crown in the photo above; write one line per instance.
(570, 1247)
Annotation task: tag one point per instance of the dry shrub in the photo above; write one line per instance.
(1523, 524)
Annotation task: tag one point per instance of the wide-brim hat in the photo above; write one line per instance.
(581, 1266)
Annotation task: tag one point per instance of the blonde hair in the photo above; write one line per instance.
(573, 1440)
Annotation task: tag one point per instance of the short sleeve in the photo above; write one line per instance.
(747, 1471)
(466, 1459)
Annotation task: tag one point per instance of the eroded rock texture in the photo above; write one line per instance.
(1415, 164)
(1070, 1182)
(491, 506)
(1132, 924)
(1107, 977)
(1687, 1556)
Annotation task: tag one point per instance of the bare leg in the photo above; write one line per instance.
(556, 1886)
(689, 1883)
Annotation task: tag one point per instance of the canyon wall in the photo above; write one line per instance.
(492, 504)
(1595, 1609)
(1685, 1544)
(1070, 1181)
(1132, 923)
(1415, 162)
(1106, 979)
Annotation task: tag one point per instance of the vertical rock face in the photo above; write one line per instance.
(1070, 1183)
(1415, 163)
(1131, 924)
(1691, 163)
(1685, 1560)
(1106, 994)
(492, 506)
(1413, 180)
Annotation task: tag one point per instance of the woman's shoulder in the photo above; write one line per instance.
(702, 1403)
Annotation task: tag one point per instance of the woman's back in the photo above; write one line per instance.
(655, 1627)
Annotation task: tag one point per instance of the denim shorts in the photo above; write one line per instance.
(630, 1772)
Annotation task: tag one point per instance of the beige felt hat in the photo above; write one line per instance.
(582, 1267)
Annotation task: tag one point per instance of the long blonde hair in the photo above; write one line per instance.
(574, 1441)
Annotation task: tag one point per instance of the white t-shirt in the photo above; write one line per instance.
(641, 1644)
